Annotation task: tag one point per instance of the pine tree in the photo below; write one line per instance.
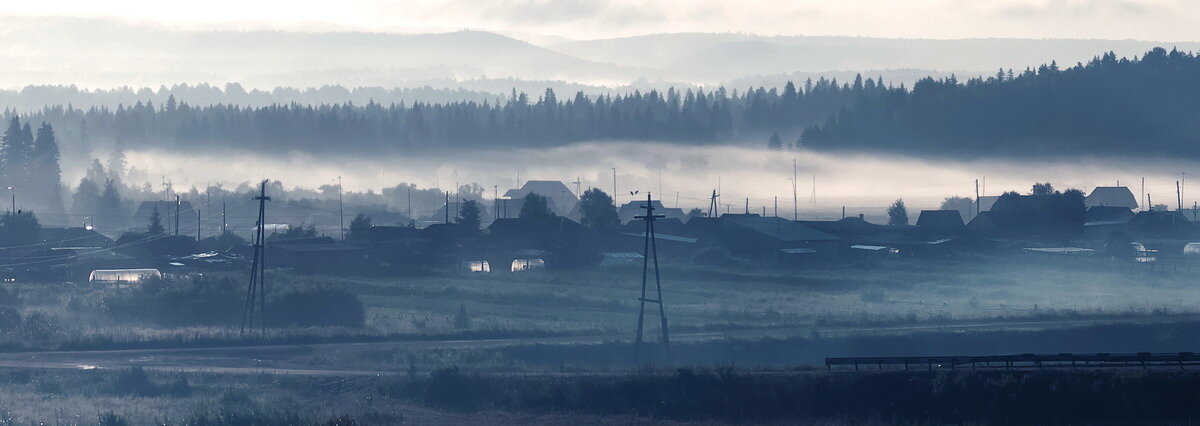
(156, 226)
(47, 174)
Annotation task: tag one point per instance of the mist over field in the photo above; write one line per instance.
(863, 182)
(375, 212)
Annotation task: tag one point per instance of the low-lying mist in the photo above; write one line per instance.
(864, 183)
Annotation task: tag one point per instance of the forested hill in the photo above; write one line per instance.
(519, 120)
(1146, 106)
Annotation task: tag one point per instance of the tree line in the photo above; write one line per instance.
(691, 115)
(1109, 105)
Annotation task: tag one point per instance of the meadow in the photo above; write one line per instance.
(206, 310)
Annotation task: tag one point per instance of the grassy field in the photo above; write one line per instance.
(699, 299)
(573, 329)
(660, 396)
(603, 302)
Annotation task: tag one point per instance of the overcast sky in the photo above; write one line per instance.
(1157, 20)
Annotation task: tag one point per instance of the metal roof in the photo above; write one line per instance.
(1060, 250)
(666, 237)
(626, 255)
(868, 247)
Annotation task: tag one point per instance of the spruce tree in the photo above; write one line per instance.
(46, 173)
(117, 162)
(8, 142)
(359, 227)
(897, 213)
(86, 199)
(775, 143)
(109, 208)
(156, 226)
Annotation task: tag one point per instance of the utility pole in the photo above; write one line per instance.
(224, 223)
(614, 170)
(257, 290)
(651, 249)
(447, 207)
(660, 191)
(1178, 198)
(814, 190)
(197, 224)
(795, 197)
(341, 213)
(496, 201)
(747, 205)
(410, 216)
(776, 206)
(1146, 205)
(713, 210)
(177, 203)
(976, 197)
(578, 186)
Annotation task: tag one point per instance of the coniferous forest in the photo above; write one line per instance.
(1109, 105)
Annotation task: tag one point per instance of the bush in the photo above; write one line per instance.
(462, 320)
(38, 328)
(176, 301)
(10, 320)
(9, 297)
(316, 305)
(449, 388)
(218, 299)
(133, 381)
(109, 418)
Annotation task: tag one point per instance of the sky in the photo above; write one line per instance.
(1156, 20)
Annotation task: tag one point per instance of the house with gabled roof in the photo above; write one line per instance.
(1112, 196)
(562, 200)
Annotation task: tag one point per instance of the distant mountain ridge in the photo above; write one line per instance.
(92, 52)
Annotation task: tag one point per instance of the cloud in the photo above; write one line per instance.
(594, 12)
(1073, 9)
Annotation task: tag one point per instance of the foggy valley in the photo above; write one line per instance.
(611, 212)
